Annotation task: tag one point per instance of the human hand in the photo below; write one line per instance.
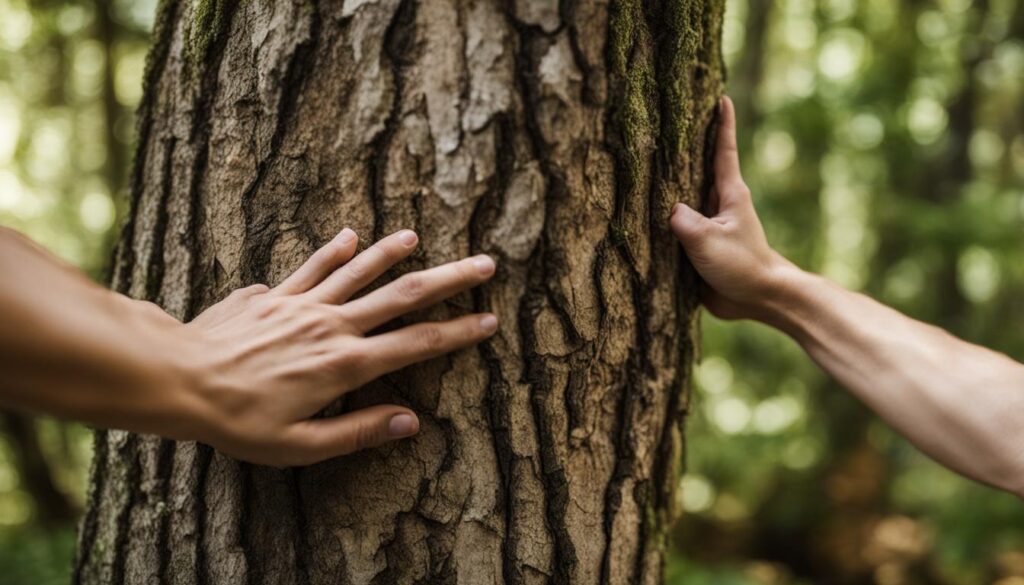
(729, 250)
(270, 359)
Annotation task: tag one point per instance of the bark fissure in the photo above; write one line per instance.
(553, 136)
(122, 521)
(155, 270)
(124, 255)
(535, 297)
(89, 527)
(164, 470)
(204, 457)
(497, 391)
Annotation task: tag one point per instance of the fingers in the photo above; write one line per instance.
(318, 439)
(417, 290)
(690, 227)
(731, 191)
(397, 349)
(320, 265)
(365, 268)
(727, 159)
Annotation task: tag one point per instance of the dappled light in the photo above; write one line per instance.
(867, 165)
(883, 142)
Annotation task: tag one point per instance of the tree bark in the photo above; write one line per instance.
(554, 136)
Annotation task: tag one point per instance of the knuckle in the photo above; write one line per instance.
(334, 319)
(739, 189)
(365, 436)
(352, 359)
(390, 248)
(256, 289)
(267, 306)
(313, 324)
(733, 230)
(431, 338)
(410, 286)
(467, 272)
(334, 253)
(357, 269)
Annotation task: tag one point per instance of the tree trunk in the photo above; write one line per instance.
(554, 136)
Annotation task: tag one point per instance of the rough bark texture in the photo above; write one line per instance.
(554, 136)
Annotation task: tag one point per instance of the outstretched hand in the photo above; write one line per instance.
(729, 249)
(273, 358)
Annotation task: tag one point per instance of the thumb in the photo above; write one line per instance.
(690, 226)
(318, 439)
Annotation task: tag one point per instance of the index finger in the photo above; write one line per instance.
(320, 265)
(417, 290)
(365, 268)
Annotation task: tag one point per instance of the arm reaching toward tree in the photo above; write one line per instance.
(246, 376)
(960, 403)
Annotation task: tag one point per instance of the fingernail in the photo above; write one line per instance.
(345, 236)
(489, 324)
(402, 425)
(484, 264)
(407, 237)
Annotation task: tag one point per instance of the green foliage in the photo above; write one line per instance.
(865, 165)
(36, 557)
(70, 76)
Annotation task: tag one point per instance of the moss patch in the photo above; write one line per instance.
(209, 21)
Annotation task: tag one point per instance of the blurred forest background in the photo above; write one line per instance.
(884, 142)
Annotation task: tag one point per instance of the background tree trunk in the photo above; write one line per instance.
(553, 135)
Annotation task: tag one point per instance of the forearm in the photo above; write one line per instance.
(959, 403)
(249, 375)
(73, 349)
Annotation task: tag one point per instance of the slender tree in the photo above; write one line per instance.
(554, 136)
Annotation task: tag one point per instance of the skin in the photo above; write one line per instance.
(959, 403)
(249, 374)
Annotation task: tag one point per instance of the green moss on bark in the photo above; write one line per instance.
(632, 63)
(658, 79)
(666, 72)
(209, 21)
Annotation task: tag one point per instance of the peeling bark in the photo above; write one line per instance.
(554, 136)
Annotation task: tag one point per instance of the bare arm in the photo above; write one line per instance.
(959, 403)
(248, 375)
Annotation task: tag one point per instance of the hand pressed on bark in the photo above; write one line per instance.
(729, 248)
(249, 374)
(960, 403)
(272, 358)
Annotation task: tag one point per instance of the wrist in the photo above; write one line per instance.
(786, 296)
(193, 378)
(177, 374)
